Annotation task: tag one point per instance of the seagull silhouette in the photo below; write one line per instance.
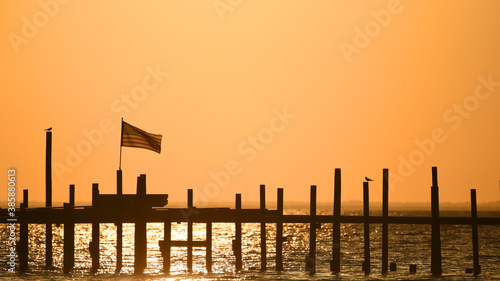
(48, 130)
(368, 179)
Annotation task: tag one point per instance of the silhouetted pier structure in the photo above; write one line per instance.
(142, 208)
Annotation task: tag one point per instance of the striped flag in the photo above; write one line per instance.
(135, 137)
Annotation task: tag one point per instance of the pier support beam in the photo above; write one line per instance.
(436, 264)
(94, 243)
(119, 225)
(335, 262)
(140, 254)
(69, 232)
(263, 249)
(190, 233)
(279, 232)
(48, 198)
(23, 235)
(237, 241)
(311, 259)
(209, 247)
(475, 242)
(385, 225)
(167, 238)
(366, 225)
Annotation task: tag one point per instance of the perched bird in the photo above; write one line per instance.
(48, 130)
(368, 179)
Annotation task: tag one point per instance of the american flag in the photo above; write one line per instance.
(135, 137)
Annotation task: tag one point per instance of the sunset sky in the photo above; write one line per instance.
(253, 92)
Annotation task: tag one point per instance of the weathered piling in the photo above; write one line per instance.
(119, 224)
(69, 232)
(237, 241)
(436, 264)
(209, 246)
(263, 248)
(48, 198)
(94, 243)
(140, 246)
(335, 262)
(190, 232)
(23, 235)
(475, 242)
(279, 231)
(385, 225)
(166, 249)
(366, 225)
(311, 260)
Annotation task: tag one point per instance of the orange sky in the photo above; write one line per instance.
(283, 92)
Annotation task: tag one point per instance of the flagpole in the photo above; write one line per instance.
(121, 142)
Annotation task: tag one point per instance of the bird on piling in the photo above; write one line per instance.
(368, 179)
(48, 130)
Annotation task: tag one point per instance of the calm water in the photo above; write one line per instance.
(408, 244)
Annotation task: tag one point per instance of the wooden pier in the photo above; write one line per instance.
(142, 208)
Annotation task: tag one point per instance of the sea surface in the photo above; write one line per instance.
(408, 244)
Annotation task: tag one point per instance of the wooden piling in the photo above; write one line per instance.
(475, 242)
(209, 246)
(263, 249)
(237, 241)
(69, 239)
(366, 225)
(94, 244)
(69, 232)
(23, 235)
(279, 232)
(190, 233)
(167, 230)
(119, 224)
(140, 246)
(335, 262)
(72, 195)
(312, 231)
(48, 198)
(436, 264)
(385, 225)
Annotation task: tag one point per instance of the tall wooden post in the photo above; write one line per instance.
(69, 232)
(119, 224)
(140, 254)
(167, 229)
(209, 247)
(263, 249)
(94, 244)
(335, 262)
(436, 265)
(48, 198)
(475, 242)
(366, 231)
(23, 235)
(385, 214)
(237, 241)
(279, 232)
(190, 233)
(312, 233)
